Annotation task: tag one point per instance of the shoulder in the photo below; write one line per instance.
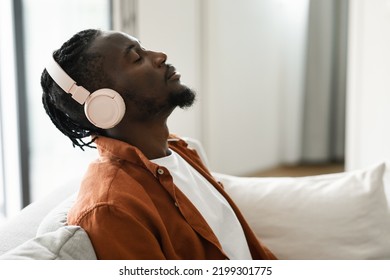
(110, 188)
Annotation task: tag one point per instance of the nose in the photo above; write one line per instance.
(159, 58)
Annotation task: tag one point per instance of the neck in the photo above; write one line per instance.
(151, 138)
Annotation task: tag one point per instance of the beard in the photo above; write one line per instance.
(183, 99)
(149, 108)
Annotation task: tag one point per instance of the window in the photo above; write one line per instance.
(46, 25)
(2, 190)
(10, 191)
(35, 157)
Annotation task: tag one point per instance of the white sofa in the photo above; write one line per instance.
(336, 216)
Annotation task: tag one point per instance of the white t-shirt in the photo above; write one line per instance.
(210, 203)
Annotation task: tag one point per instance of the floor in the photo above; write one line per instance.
(300, 170)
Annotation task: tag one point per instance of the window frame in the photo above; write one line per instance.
(9, 115)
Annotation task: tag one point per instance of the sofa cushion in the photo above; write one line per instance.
(11, 233)
(55, 239)
(66, 243)
(57, 217)
(335, 216)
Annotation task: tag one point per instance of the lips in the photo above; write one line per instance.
(171, 73)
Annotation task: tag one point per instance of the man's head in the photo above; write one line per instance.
(150, 88)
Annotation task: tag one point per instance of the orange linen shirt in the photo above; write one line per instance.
(131, 208)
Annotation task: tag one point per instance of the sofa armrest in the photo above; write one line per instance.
(24, 225)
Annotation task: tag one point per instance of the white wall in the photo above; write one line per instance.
(246, 60)
(242, 91)
(173, 26)
(368, 101)
(254, 83)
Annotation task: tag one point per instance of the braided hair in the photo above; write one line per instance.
(85, 68)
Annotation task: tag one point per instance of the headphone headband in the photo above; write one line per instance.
(62, 79)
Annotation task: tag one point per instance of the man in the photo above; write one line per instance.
(148, 196)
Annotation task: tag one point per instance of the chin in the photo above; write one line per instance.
(184, 98)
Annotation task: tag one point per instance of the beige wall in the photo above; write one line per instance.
(368, 103)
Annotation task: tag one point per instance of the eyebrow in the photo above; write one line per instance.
(128, 49)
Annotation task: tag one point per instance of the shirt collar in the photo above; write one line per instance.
(119, 150)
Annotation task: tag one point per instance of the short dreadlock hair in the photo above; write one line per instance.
(87, 69)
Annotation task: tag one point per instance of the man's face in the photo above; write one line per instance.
(148, 85)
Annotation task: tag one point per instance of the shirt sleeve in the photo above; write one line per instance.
(117, 235)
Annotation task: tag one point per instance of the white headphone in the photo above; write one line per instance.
(104, 108)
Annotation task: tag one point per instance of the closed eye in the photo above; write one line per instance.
(138, 58)
(135, 52)
(140, 53)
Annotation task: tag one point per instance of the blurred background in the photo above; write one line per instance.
(281, 84)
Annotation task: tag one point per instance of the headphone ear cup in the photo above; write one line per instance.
(105, 108)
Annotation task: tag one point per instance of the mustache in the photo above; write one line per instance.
(170, 71)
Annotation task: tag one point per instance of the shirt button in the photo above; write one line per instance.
(160, 171)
